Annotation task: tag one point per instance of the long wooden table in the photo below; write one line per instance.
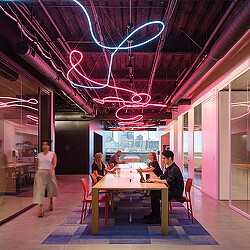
(127, 178)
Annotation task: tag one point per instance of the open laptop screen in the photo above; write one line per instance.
(142, 177)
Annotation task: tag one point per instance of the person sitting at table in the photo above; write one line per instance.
(173, 179)
(110, 168)
(153, 166)
(98, 166)
(115, 158)
(45, 177)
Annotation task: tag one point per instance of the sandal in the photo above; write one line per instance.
(51, 207)
(41, 214)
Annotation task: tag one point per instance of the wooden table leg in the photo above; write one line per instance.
(112, 201)
(164, 211)
(95, 211)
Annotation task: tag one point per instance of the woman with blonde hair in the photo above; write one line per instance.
(98, 166)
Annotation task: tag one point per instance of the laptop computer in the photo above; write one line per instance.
(142, 180)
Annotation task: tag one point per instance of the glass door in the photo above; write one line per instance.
(240, 143)
(185, 146)
(18, 143)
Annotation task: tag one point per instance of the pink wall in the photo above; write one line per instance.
(210, 146)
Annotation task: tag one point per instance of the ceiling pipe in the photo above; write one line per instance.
(158, 55)
(40, 31)
(29, 54)
(71, 116)
(203, 51)
(229, 37)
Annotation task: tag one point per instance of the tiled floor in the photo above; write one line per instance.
(27, 231)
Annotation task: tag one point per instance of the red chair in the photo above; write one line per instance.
(188, 199)
(88, 199)
(106, 192)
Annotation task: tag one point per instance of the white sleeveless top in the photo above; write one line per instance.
(45, 161)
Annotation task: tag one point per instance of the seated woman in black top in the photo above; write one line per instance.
(98, 166)
(153, 166)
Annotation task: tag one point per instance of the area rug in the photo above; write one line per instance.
(126, 226)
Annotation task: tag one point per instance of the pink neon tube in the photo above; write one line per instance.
(17, 102)
(138, 100)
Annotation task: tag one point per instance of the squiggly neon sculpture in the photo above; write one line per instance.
(17, 102)
(241, 104)
(33, 118)
(139, 103)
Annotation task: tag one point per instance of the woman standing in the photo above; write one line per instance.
(45, 177)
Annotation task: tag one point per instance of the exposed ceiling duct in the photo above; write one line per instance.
(29, 54)
(71, 116)
(238, 26)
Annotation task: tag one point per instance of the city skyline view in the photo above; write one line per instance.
(128, 141)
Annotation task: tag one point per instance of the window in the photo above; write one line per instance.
(132, 142)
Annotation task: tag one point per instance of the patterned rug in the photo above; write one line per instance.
(125, 226)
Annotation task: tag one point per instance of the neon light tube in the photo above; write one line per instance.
(113, 48)
(14, 102)
(33, 118)
(138, 100)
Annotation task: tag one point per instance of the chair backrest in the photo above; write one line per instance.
(85, 187)
(10, 173)
(188, 186)
(93, 178)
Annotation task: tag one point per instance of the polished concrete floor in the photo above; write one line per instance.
(27, 231)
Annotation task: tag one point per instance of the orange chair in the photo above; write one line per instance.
(109, 192)
(188, 199)
(88, 199)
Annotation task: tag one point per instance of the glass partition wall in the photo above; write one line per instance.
(198, 145)
(18, 143)
(240, 143)
(185, 146)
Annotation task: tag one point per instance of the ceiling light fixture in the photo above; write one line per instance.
(119, 47)
(138, 100)
(130, 66)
